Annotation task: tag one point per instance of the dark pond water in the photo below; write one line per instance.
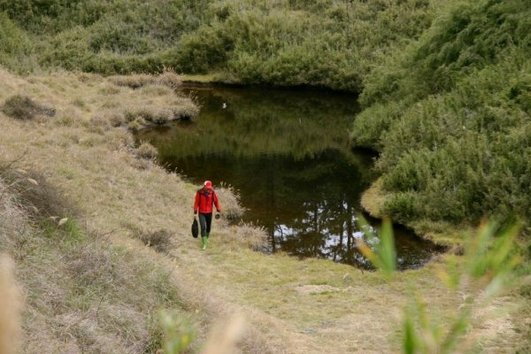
(287, 154)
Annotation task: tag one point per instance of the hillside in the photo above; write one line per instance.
(316, 43)
(95, 251)
(450, 114)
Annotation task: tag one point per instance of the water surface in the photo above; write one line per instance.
(287, 153)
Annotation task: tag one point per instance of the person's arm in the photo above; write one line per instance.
(216, 202)
(196, 203)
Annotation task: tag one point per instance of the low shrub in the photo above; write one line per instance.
(370, 125)
(24, 108)
(146, 151)
(203, 50)
(160, 240)
(403, 206)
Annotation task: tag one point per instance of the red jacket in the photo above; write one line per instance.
(204, 199)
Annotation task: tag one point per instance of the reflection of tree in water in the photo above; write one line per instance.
(319, 201)
(299, 124)
(329, 231)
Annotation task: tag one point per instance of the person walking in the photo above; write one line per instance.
(205, 199)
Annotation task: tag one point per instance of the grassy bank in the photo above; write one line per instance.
(82, 293)
(91, 283)
(125, 251)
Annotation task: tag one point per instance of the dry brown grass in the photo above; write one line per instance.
(168, 78)
(84, 294)
(96, 167)
(146, 151)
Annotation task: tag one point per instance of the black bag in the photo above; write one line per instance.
(195, 228)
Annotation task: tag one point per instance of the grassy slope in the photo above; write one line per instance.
(83, 293)
(288, 305)
(450, 115)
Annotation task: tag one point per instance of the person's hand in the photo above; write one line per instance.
(195, 212)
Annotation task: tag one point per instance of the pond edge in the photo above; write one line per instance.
(441, 234)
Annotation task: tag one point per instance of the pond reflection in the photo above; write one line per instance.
(287, 153)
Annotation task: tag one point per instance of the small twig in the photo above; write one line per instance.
(12, 162)
(98, 307)
(6, 167)
(8, 187)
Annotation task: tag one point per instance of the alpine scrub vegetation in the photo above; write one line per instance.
(332, 43)
(118, 36)
(450, 115)
(311, 43)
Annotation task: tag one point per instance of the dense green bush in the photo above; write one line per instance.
(467, 36)
(16, 48)
(316, 43)
(451, 116)
(203, 50)
(116, 36)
